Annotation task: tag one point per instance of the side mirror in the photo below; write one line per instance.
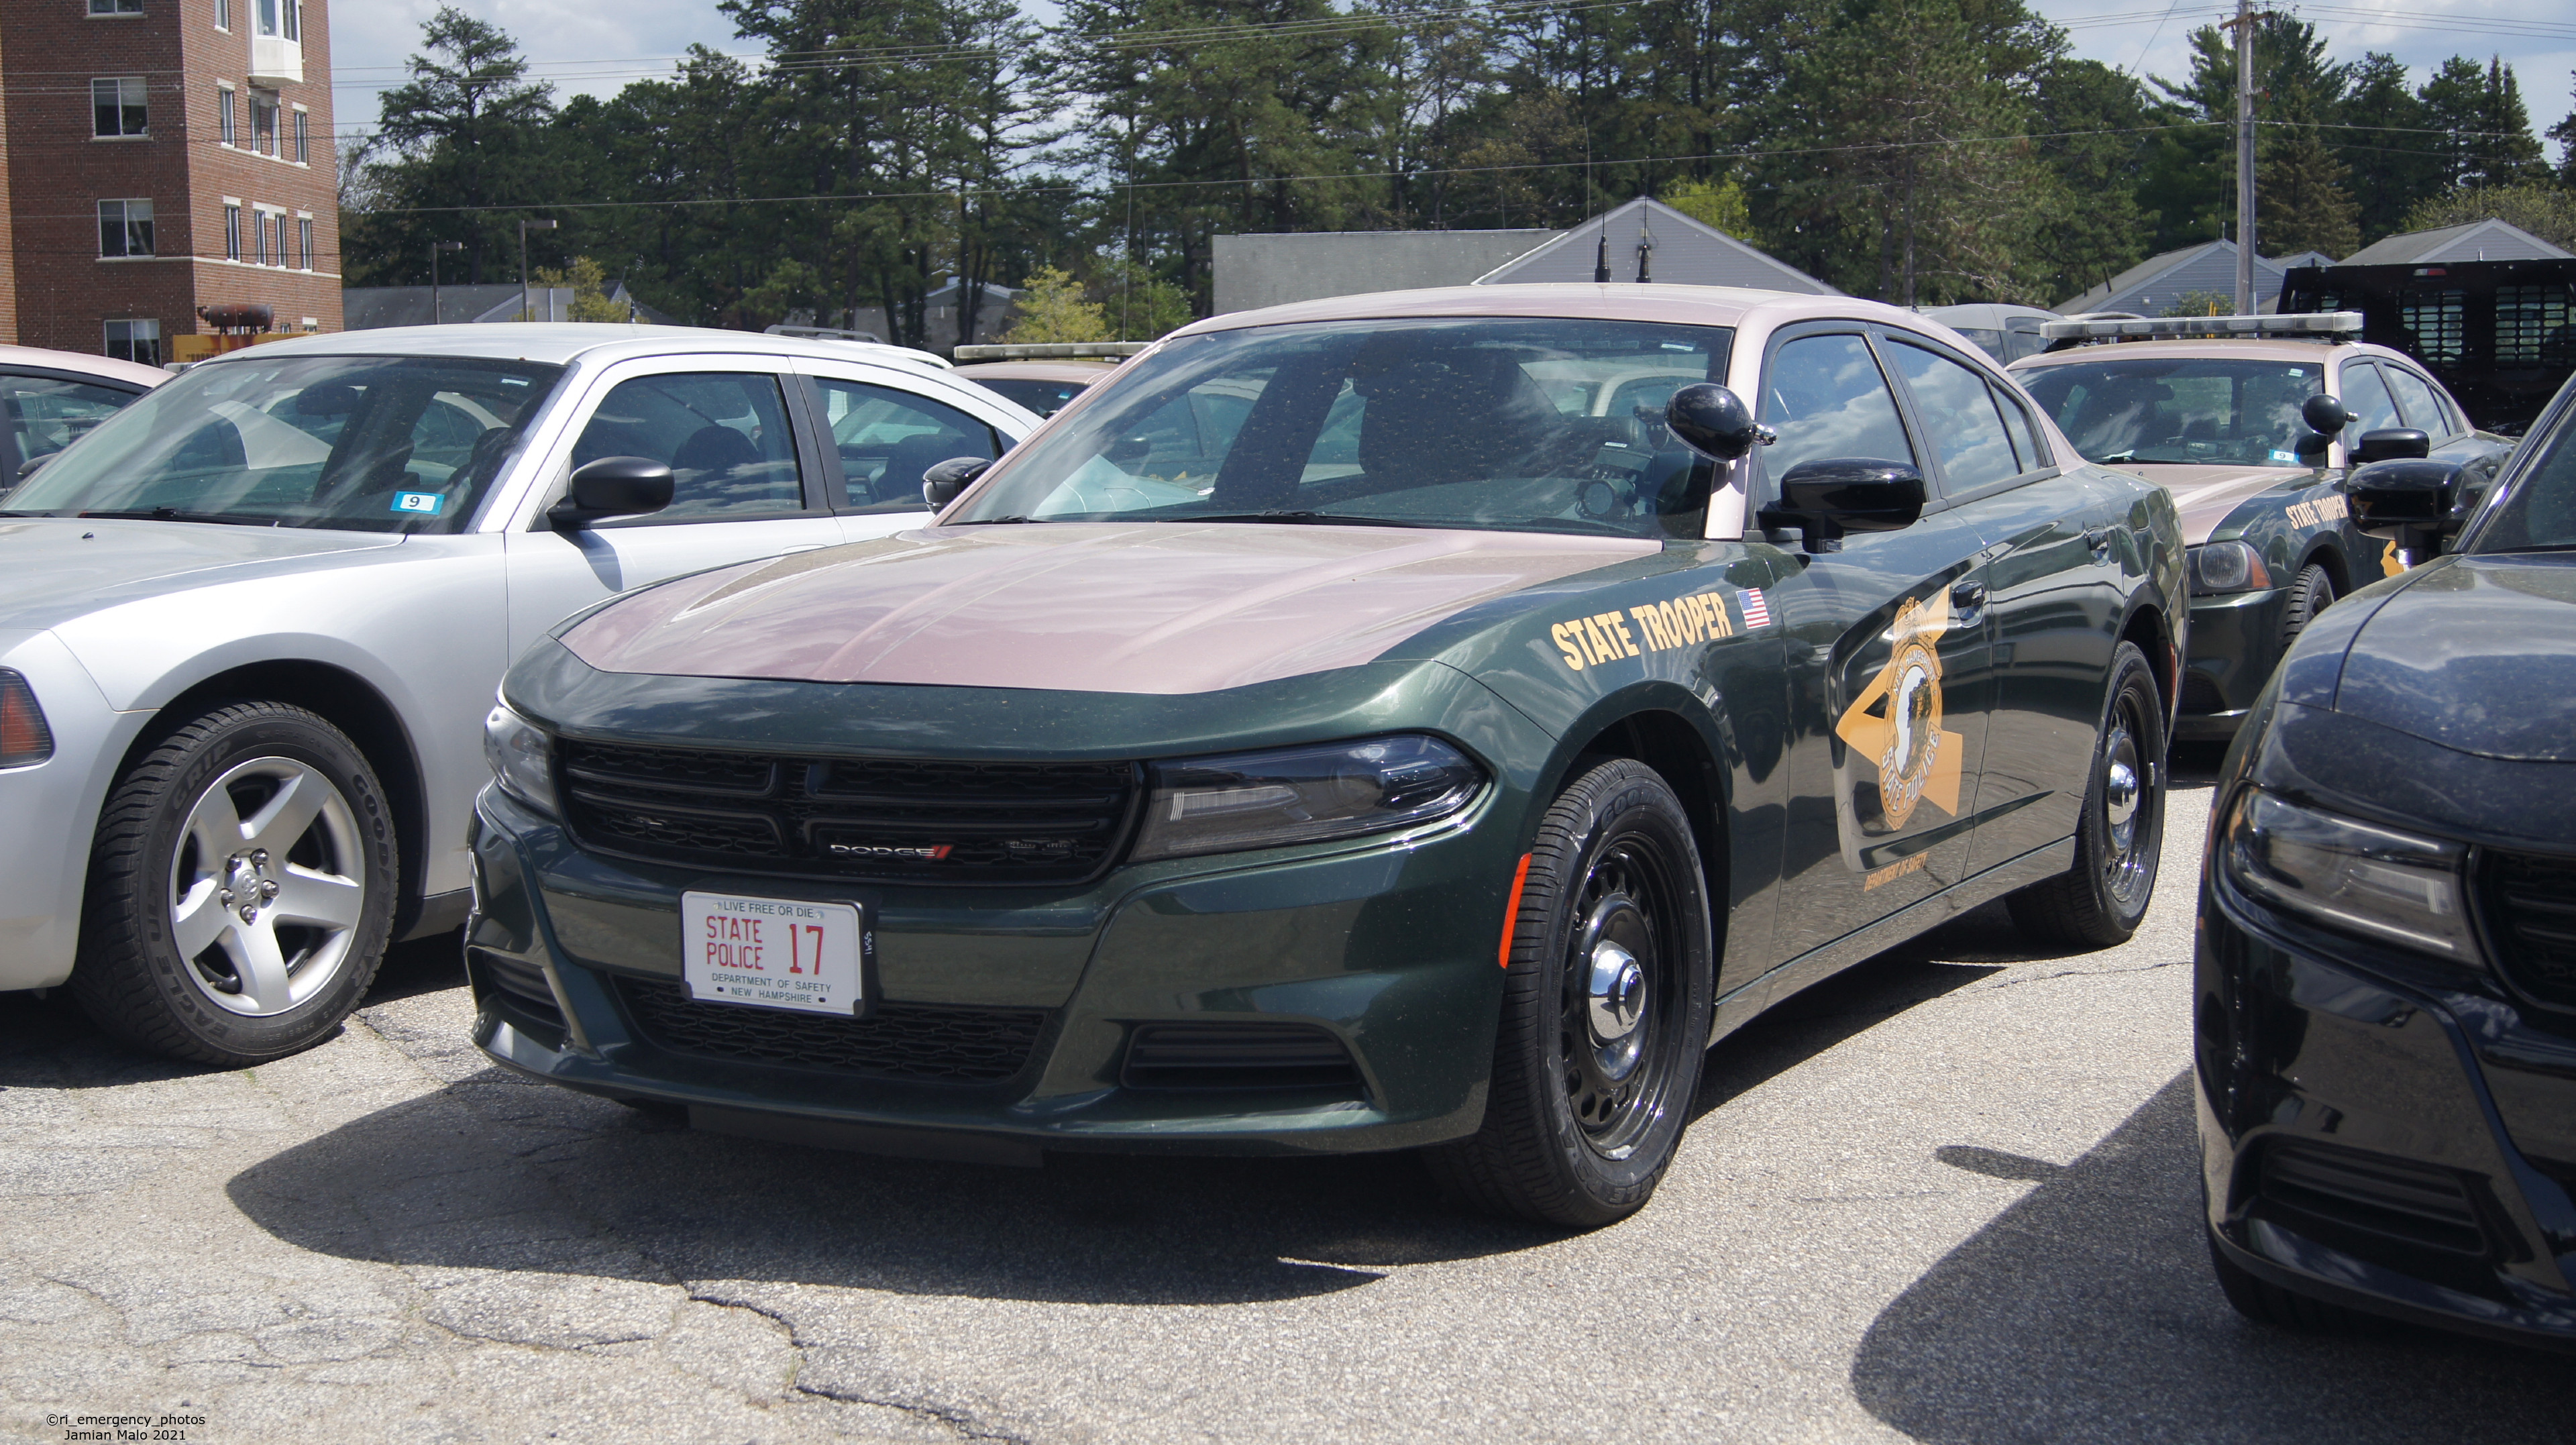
(942, 483)
(2391, 444)
(1831, 496)
(2408, 502)
(613, 487)
(2324, 415)
(28, 467)
(1714, 422)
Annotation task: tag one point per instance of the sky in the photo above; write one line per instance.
(585, 47)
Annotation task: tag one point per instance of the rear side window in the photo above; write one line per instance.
(2368, 397)
(723, 434)
(47, 414)
(887, 438)
(2415, 400)
(1959, 417)
(1826, 398)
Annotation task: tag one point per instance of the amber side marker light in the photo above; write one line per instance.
(24, 738)
(1512, 909)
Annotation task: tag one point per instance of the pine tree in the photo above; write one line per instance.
(2382, 144)
(2300, 203)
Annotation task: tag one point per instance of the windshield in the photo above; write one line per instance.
(2192, 410)
(363, 443)
(2539, 513)
(1516, 425)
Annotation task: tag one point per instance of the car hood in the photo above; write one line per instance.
(54, 568)
(2207, 496)
(2474, 653)
(1089, 607)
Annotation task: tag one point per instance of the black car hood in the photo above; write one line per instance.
(2476, 653)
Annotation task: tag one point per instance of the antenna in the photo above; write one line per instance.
(1645, 242)
(1601, 253)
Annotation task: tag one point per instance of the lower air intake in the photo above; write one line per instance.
(916, 1042)
(2393, 1199)
(1237, 1056)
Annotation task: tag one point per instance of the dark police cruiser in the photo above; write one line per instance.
(1359, 725)
(2251, 422)
(2386, 979)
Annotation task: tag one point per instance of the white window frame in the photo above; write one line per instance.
(232, 229)
(125, 224)
(130, 322)
(227, 114)
(224, 15)
(115, 9)
(303, 136)
(266, 143)
(304, 240)
(144, 105)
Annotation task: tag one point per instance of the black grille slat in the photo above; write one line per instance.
(2396, 1199)
(2530, 902)
(1237, 1056)
(876, 818)
(921, 1043)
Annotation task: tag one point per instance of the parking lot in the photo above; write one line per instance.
(1948, 1196)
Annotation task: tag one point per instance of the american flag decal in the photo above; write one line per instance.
(1757, 613)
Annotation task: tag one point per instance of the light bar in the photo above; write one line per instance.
(2314, 323)
(1052, 351)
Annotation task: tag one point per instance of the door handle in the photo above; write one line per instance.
(1968, 596)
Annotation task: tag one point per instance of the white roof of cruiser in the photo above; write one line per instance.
(560, 343)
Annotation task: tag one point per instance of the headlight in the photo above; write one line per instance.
(2350, 875)
(24, 738)
(2227, 567)
(1302, 795)
(522, 758)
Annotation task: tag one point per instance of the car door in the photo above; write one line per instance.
(747, 483)
(2427, 408)
(878, 430)
(2051, 559)
(1889, 683)
(46, 413)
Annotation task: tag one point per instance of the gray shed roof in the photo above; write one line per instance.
(2487, 240)
(1682, 252)
(2159, 281)
(364, 308)
(1253, 271)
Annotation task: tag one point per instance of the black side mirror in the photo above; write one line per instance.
(942, 483)
(2324, 415)
(613, 487)
(2408, 502)
(1830, 496)
(2391, 444)
(1714, 421)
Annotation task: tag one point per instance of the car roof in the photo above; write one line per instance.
(1611, 301)
(2259, 349)
(561, 343)
(1987, 315)
(107, 368)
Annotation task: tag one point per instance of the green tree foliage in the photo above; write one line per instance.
(588, 282)
(2382, 147)
(2544, 209)
(1719, 205)
(2487, 138)
(460, 146)
(1052, 309)
(2565, 134)
(2203, 303)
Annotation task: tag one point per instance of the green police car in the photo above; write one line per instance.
(1417, 721)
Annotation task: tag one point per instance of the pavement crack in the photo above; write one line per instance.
(965, 1424)
(2074, 973)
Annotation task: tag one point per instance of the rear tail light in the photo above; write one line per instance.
(24, 738)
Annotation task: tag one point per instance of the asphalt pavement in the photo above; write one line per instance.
(1948, 1196)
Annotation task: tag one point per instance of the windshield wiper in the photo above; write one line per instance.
(990, 521)
(1343, 519)
(173, 514)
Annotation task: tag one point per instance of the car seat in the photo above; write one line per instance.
(714, 448)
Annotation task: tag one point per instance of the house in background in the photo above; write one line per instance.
(164, 158)
(2151, 287)
(2487, 240)
(1643, 236)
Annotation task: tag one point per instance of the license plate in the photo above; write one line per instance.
(772, 952)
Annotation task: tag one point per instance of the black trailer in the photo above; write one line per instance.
(2500, 334)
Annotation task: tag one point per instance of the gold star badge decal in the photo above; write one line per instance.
(1897, 718)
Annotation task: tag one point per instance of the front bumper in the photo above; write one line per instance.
(2235, 644)
(2392, 1145)
(48, 811)
(1387, 950)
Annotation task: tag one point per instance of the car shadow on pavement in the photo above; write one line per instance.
(2087, 1309)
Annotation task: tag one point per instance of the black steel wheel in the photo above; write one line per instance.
(2119, 839)
(1605, 1011)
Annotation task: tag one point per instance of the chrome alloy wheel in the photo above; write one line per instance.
(1620, 1023)
(2129, 801)
(266, 886)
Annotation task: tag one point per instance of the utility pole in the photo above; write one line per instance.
(437, 312)
(2244, 157)
(527, 305)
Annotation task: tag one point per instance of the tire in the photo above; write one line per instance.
(2120, 835)
(250, 804)
(2311, 592)
(1592, 1084)
(2266, 1303)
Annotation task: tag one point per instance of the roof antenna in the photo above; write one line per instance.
(1601, 253)
(1645, 243)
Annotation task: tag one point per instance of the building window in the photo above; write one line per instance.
(303, 138)
(261, 228)
(267, 16)
(232, 231)
(294, 20)
(138, 341)
(125, 228)
(304, 239)
(115, 7)
(263, 121)
(223, 14)
(230, 129)
(116, 106)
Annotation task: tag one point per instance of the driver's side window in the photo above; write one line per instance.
(1826, 397)
(723, 434)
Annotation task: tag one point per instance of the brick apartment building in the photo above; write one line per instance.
(158, 156)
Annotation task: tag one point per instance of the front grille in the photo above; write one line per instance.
(893, 819)
(2531, 917)
(2390, 1199)
(2200, 695)
(1237, 1056)
(924, 1043)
